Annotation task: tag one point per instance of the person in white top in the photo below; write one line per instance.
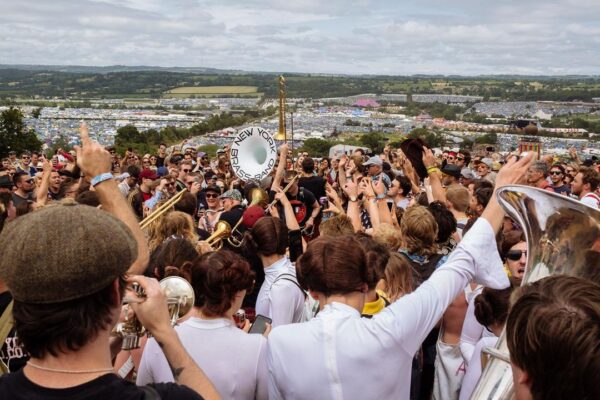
(338, 355)
(491, 310)
(234, 361)
(514, 254)
(280, 297)
(584, 186)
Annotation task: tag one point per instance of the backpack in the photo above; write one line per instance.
(422, 272)
(311, 306)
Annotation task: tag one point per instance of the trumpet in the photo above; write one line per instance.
(222, 231)
(259, 197)
(180, 300)
(162, 209)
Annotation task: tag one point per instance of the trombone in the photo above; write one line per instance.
(285, 189)
(162, 209)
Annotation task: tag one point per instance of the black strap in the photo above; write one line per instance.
(292, 278)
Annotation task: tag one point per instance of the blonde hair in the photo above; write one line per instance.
(388, 235)
(174, 223)
(458, 196)
(419, 231)
(337, 226)
(398, 277)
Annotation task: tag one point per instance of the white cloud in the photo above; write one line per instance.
(337, 36)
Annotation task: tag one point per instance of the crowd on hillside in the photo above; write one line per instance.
(379, 276)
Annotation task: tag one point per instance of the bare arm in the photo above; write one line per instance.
(283, 150)
(42, 194)
(512, 172)
(353, 211)
(434, 176)
(94, 160)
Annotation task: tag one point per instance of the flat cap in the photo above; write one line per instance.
(41, 264)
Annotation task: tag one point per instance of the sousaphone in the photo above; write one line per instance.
(563, 237)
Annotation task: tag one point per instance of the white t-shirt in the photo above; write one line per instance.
(591, 199)
(280, 299)
(339, 355)
(234, 361)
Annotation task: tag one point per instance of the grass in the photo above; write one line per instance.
(211, 90)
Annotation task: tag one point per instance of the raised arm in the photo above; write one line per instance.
(42, 193)
(434, 176)
(94, 161)
(283, 150)
(475, 259)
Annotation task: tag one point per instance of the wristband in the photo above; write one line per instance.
(431, 170)
(380, 196)
(101, 178)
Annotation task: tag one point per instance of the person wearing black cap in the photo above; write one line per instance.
(451, 174)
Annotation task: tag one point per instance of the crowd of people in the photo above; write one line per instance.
(380, 276)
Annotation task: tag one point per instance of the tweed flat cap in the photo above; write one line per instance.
(42, 264)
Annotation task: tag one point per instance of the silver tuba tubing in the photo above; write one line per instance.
(563, 237)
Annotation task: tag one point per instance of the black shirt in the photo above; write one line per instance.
(13, 355)
(302, 203)
(16, 386)
(315, 184)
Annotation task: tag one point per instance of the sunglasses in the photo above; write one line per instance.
(556, 172)
(211, 195)
(460, 158)
(190, 183)
(26, 158)
(515, 255)
(170, 184)
(186, 170)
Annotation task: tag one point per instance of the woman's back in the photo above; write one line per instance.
(234, 361)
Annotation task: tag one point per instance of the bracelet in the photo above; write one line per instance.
(380, 196)
(432, 170)
(101, 178)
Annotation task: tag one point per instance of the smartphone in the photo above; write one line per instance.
(260, 324)
(390, 205)
(324, 202)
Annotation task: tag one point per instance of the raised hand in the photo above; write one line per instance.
(92, 158)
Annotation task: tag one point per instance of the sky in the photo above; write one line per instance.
(465, 37)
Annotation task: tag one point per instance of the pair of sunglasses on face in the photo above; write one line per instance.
(515, 255)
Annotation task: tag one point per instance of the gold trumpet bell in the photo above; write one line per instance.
(280, 136)
(222, 231)
(258, 196)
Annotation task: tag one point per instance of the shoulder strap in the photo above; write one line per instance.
(6, 324)
(291, 278)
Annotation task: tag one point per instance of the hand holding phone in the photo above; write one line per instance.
(260, 324)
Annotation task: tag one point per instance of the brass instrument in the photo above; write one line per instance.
(162, 209)
(281, 134)
(285, 189)
(563, 237)
(259, 197)
(222, 231)
(180, 300)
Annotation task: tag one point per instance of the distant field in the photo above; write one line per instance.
(212, 90)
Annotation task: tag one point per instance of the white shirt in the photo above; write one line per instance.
(282, 301)
(474, 369)
(591, 199)
(339, 355)
(234, 361)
